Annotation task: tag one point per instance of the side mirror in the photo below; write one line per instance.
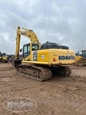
(20, 50)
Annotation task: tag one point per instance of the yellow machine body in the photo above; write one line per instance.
(80, 59)
(39, 63)
(51, 57)
(77, 58)
(3, 58)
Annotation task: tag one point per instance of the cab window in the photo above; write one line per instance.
(35, 47)
(26, 50)
(84, 54)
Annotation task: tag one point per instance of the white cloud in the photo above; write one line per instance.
(5, 36)
(52, 20)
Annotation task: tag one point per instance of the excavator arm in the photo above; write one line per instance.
(27, 33)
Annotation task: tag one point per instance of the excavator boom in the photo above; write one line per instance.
(27, 33)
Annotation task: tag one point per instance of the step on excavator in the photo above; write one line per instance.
(41, 61)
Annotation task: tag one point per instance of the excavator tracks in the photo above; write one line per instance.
(61, 70)
(64, 70)
(34, 72)
(42, 73)
(67, 71)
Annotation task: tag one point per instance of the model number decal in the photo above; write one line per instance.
(66, 57)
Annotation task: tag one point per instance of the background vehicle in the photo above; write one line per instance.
(80, 58)
(41, 61)
(3, 58)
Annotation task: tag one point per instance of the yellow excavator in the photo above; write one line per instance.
(80, 58)
(3, 58)
(41, 61)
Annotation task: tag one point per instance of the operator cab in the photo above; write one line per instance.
(84, 53)
(2, 54)
(27, 48)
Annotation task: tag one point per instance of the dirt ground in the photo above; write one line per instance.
(57, 96)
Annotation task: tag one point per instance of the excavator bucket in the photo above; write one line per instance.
(15, 63)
